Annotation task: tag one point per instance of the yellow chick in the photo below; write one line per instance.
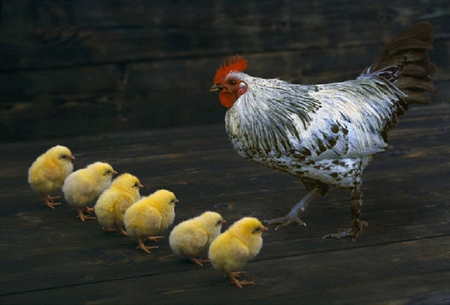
(46, 175)
(84, 186)
(192, 237)
(236, 246)
(112, 204)
(149, 216)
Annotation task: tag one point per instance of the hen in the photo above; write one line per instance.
(326, 134)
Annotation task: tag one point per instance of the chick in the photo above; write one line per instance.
(192, 237)
(85, 186)
(46, 175)
(231, 250)
(112, 204)
(149, 216)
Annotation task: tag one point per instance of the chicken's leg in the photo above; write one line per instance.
(198, 261)
(233, 277)
(144, 247)
(358, 225)
(83, 216)
(292, 216)
(48, 201)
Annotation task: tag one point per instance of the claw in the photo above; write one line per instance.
(351, 232)
(285, 221)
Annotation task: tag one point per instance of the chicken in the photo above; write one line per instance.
(191, 238)
(236, 246)
(149, 216)
(112, 204)
(325, 135)
(47, 173)
(84, 186)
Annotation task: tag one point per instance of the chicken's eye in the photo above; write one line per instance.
(63, 157)
(257, 230)
(232, 82)
(107, 172)
(219, 222)
(136, 184)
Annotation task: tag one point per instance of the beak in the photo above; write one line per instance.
(71, 157)
(223, 221)
(215, 88)
(114, 172)
(140, 185)
(264, 229)
(176, 201)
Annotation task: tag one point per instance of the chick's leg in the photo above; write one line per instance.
(48, 201)
(144, 247)
(233, 277)
(357, 224)
(82, 216)
(198, 261)
(292, 216)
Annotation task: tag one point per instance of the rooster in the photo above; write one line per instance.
(326, 134)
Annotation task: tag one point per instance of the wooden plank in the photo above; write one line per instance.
(51, 257)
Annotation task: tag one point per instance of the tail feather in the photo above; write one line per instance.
(408, 52)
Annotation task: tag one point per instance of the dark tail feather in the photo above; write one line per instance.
(404, 62)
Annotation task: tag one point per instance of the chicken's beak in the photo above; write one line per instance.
(114, 172)
(223, 221)
(71, 157)
(140, 185)
(264, 229)
(215, 88)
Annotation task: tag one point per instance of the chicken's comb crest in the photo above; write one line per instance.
(239, 64)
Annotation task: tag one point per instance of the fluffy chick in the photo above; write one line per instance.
(149, 216)
(191, 238)
(84, 186)
(231, 250)
(112, 204)
(47, 173)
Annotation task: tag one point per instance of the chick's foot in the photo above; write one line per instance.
(233, 277)
(154, 238)
(198, 261)
(83, 216)
(48, 201)
(144, 247)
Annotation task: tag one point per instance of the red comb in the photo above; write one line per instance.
(237, 65)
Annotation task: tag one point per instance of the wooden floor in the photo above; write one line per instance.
(403, 257)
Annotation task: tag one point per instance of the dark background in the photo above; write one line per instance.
(74, 67)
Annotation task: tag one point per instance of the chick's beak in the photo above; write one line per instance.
(215, 88)
(140, 185)
(223, 221)
(114, 172)
(71, 158)
(264, 229)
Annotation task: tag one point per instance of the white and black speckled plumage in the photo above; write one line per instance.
(326, 134)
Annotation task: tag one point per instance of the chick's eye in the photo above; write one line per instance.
(107, 172)
(136, 184)
(257, 230)
(63, 157)
(219, 222)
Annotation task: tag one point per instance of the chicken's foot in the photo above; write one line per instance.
(358, 225)
(83, 216)
(292, 216)
(144, 247)
(48, 201)
(198, 261)
(233, 277)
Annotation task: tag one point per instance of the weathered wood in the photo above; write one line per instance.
(403, 257)
(83, 67)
